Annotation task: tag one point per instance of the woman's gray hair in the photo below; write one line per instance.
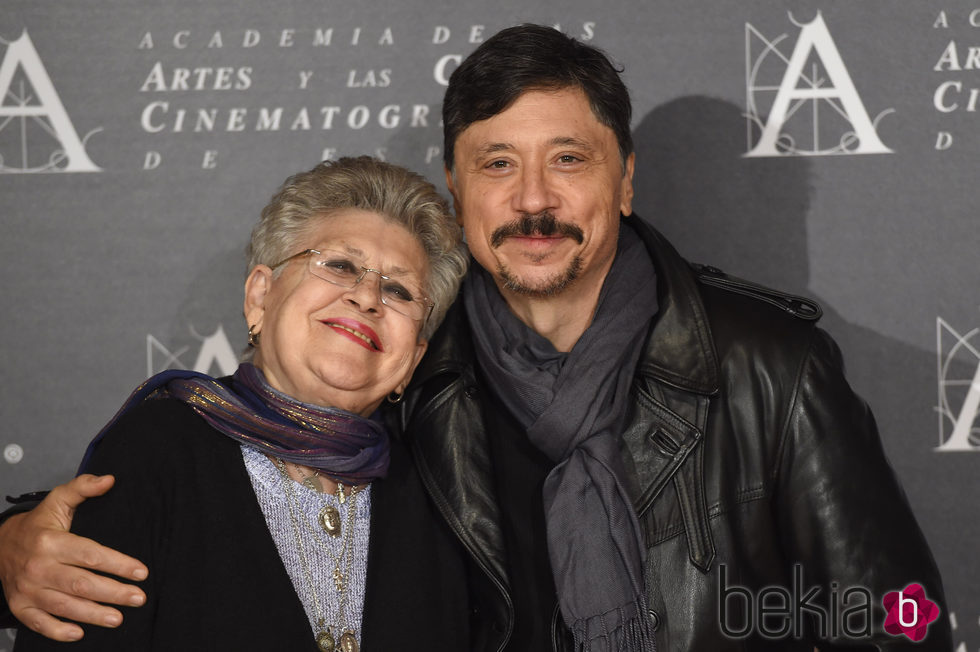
(368, 184)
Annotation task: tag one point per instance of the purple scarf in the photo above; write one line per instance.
(343, 446)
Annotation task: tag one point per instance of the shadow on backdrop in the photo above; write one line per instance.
(748, 216)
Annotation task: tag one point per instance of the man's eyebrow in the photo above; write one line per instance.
(572, 141)
(493, 148)
(561, 141)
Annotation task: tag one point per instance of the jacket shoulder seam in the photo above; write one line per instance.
(798, 306)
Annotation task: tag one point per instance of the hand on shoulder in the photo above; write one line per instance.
(46, 571)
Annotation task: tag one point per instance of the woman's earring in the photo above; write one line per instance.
(253, 337)
(395, 397)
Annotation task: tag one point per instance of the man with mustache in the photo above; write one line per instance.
(545, 226)
(629, 448)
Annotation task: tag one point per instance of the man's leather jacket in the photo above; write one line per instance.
(757, 474)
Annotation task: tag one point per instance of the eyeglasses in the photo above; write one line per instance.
(401, 294)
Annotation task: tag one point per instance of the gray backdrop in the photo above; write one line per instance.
(826, 147)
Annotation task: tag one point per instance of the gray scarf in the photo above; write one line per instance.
(573, 407)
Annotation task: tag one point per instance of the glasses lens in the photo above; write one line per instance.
(335, 267)
(401, 293)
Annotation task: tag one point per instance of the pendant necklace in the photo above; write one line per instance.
(327, 638)
(329, 516)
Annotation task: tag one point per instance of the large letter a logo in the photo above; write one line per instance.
(959, 388)
(805, 104)
(36, 102)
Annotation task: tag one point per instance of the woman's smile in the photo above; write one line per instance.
(356, 331)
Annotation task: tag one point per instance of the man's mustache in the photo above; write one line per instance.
(544, 223)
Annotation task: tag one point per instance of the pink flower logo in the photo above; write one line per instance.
(909, 612)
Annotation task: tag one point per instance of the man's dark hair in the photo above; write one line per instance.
(533, 57)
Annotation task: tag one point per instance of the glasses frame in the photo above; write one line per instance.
(424, 300)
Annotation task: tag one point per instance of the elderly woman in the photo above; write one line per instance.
(273, 509)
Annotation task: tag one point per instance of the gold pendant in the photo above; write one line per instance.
(348, 642)
(324, 641)
(330, 520)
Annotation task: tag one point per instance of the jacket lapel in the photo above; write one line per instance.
(679, 350)
(667, 426)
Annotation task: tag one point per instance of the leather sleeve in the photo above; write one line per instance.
(844, 518)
